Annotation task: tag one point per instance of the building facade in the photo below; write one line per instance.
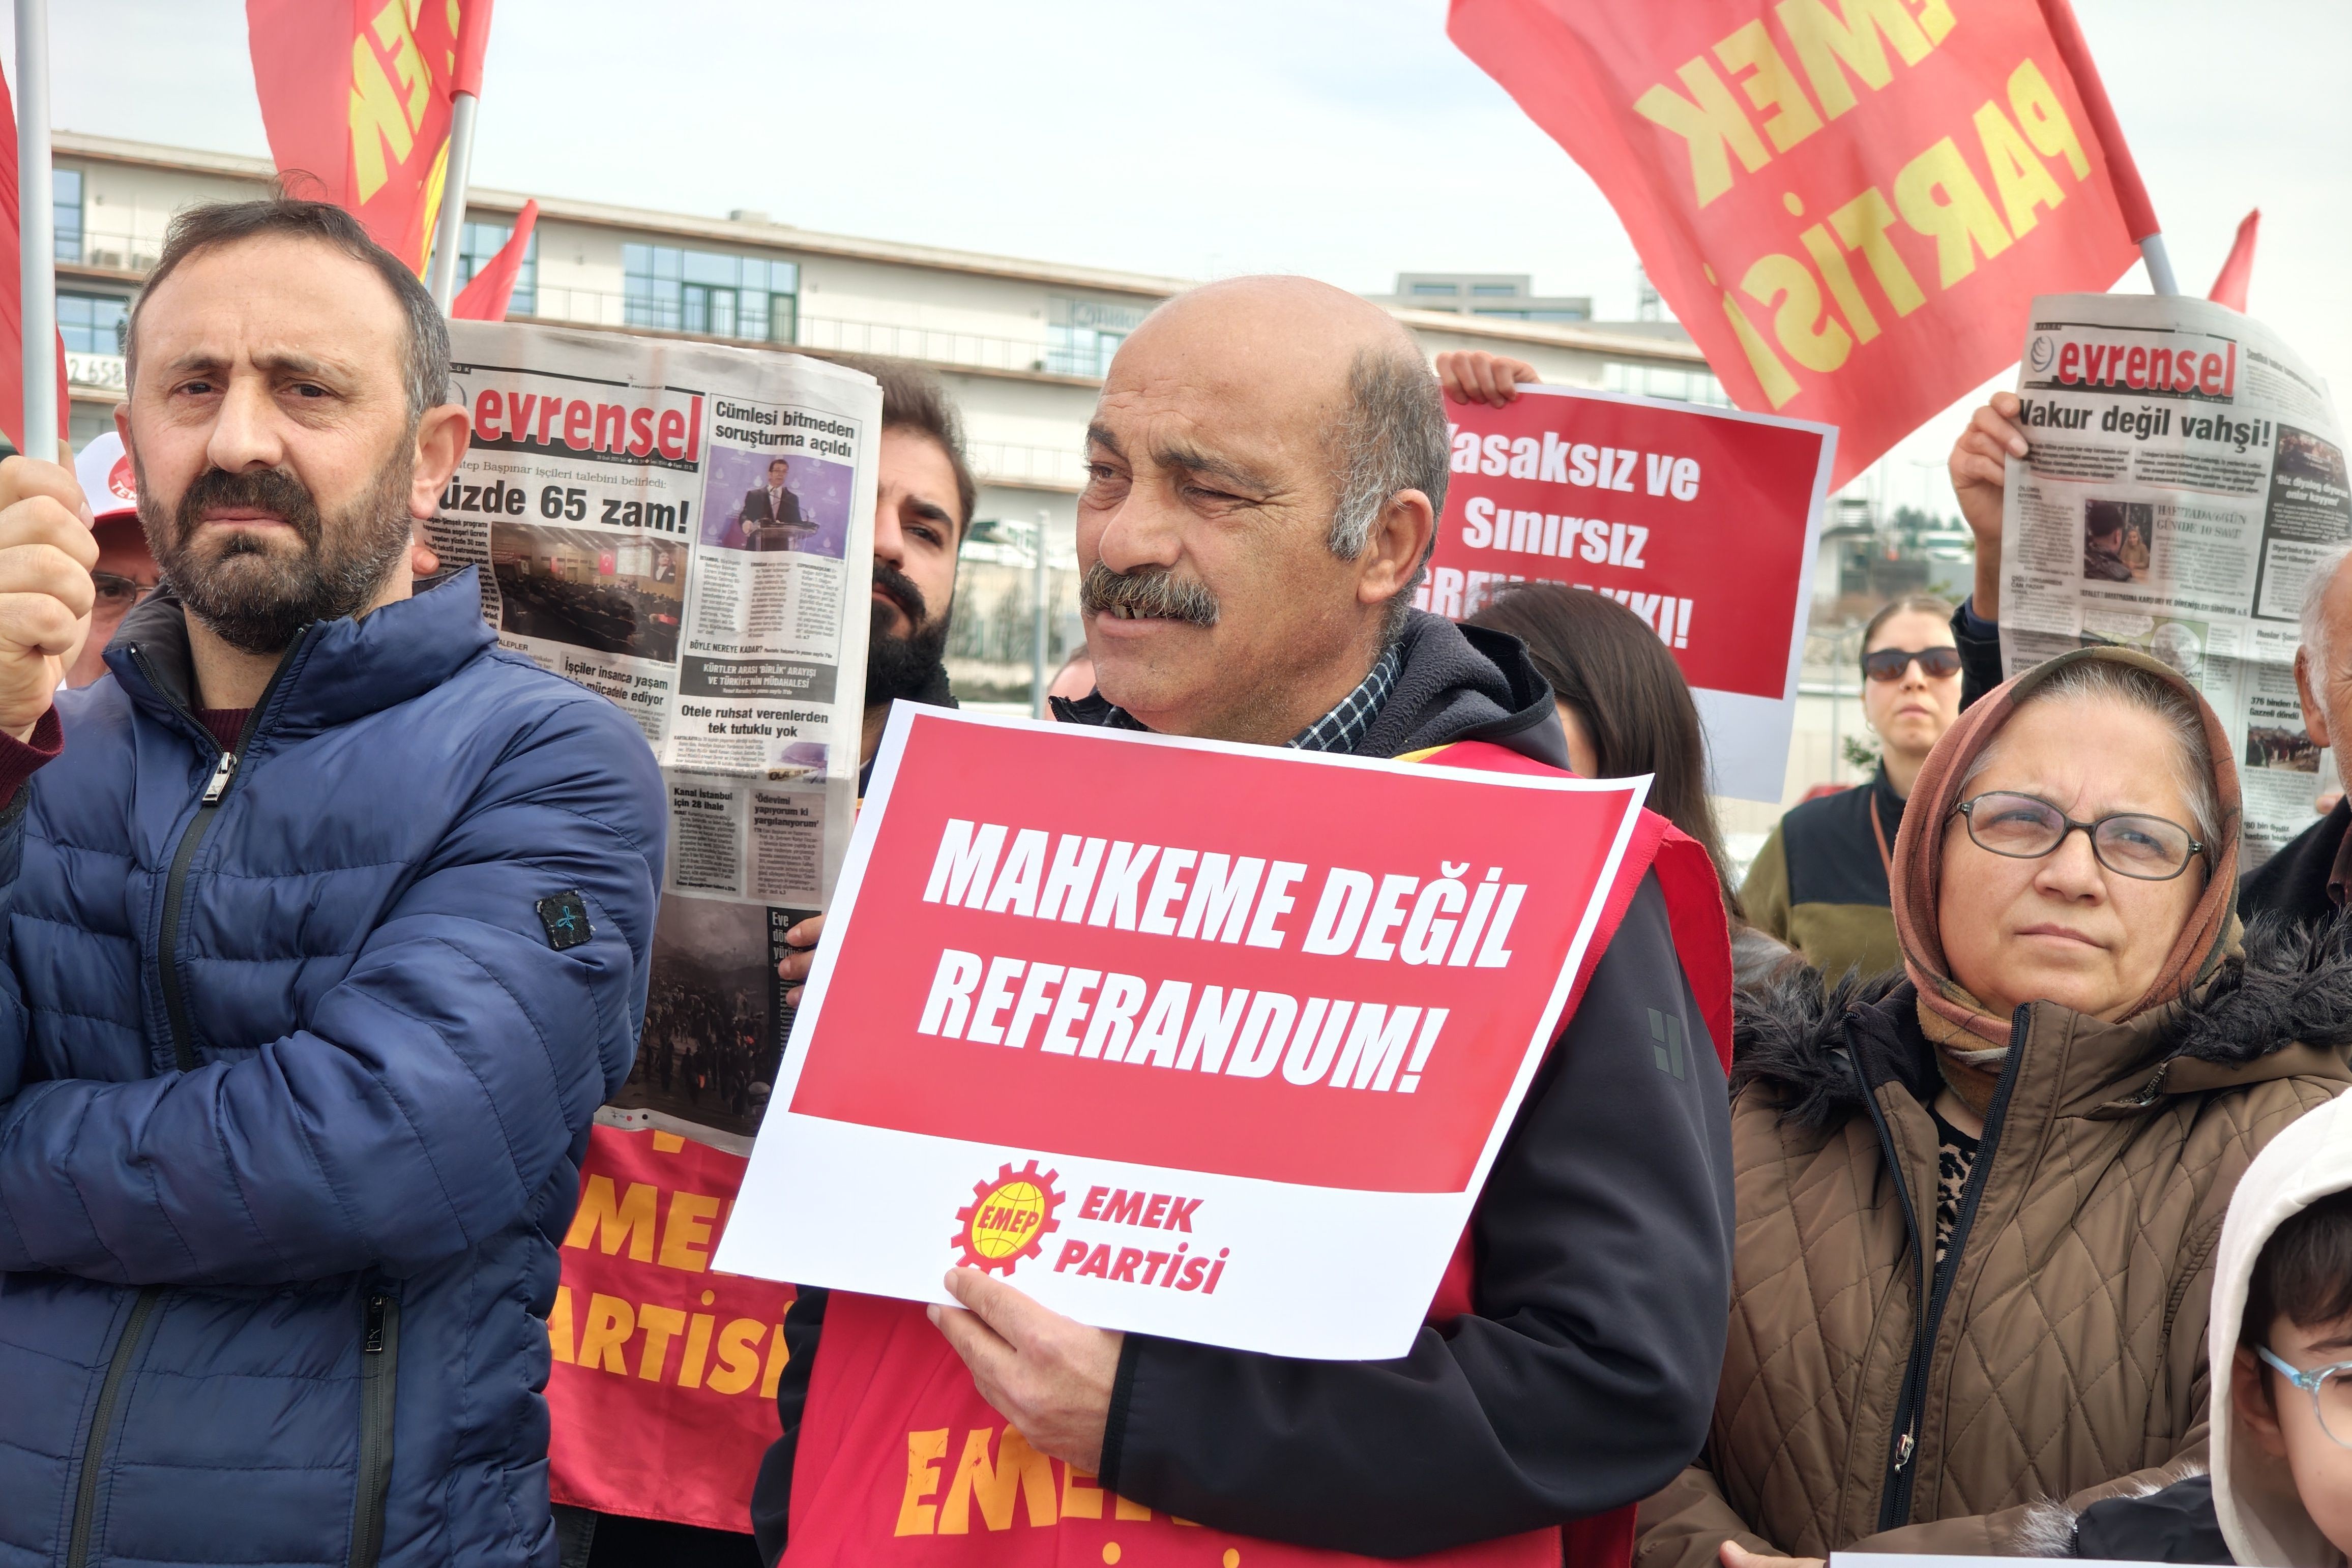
(1022, 345)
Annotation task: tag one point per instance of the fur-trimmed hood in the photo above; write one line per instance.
(2291, 986)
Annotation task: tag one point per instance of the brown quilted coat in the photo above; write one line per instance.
(2069, 1355)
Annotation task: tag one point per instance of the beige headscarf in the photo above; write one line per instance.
(1972, 1039)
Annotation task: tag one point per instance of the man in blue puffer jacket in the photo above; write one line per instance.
(323, 931)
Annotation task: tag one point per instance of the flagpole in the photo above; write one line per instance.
(449, 229)
(37, 227)
(2159, 265)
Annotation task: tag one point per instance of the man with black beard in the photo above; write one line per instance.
(324, 929)
(922, 507)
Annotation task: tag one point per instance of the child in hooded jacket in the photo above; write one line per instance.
(2280, 1491)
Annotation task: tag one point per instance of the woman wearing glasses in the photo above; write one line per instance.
(1820, 882)
(1980, 1200)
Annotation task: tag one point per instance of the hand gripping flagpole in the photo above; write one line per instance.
(37, 226)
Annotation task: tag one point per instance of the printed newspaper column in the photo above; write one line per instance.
(2185, 481)
(688, 529)
(1703, 522)
(1158, 1028)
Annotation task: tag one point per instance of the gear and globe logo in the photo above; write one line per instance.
(1007, 1218)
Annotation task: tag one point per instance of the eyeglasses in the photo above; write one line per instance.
(118, 595)
(2026, 828)
(2330, 1388)
(1888, 664)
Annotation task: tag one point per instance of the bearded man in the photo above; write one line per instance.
(324, 929)
(922, 510)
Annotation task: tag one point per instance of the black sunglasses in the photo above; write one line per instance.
(1888, 664)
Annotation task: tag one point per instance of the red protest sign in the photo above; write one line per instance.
(1254, 1017)
(1850, 204)
(662, 1398)
(1703, 522)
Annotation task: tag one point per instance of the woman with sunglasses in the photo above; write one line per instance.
(1820, 882)
(1979, 1200)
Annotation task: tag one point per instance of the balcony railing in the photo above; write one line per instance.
(1056, 467)
(933, 345)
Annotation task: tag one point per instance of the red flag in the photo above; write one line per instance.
(485, 298)
(2230, 284)
(356, 94)
(1850, 204)
(11, 299)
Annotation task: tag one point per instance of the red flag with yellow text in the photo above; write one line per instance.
(357, 94)
(1849, 203)
(662, 1398)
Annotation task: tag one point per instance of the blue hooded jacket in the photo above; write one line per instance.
(298, 1047)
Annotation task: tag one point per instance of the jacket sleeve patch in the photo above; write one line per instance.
(565, 917)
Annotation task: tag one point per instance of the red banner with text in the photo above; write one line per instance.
(1703, 522)
(662, 1396)
(1163, 1016)
(1850, 204)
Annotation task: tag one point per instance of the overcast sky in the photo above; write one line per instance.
(1348, 141)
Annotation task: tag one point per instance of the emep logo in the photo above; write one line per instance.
(119, 480)
(1007, 1218)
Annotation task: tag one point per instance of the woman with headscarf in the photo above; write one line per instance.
(1978, 1201)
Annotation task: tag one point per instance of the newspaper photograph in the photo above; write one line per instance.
(687, 529)
(2187, 475)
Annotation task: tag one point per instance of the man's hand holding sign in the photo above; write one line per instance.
(1351, 1030)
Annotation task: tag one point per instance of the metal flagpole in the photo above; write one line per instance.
(2159, 265)
(36, 228)
(448, 228)
(1038, 678)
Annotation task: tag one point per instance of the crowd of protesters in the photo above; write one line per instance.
(2021, 1224)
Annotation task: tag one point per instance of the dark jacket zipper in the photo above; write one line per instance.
(1894, 1495)
(101, 1420)
(379, 1380)
(225, 769)
(184, 1057)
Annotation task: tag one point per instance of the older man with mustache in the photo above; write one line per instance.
(1265, 468)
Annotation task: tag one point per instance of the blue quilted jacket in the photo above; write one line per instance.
(299, 1046)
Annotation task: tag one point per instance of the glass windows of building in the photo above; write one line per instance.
(741, 297)
(65, 188)
(1664, 381)
(92, 323)
(478, 242)
(1495, 290)
(1438, 290)
(1081, 335)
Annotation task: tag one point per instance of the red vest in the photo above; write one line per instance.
(899, 1460)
